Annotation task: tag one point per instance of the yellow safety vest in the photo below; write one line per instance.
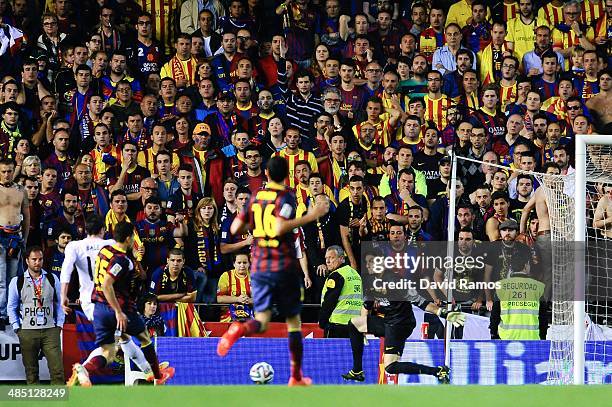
(520, 305)
(351, 298)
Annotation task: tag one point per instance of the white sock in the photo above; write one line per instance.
(134, 353)
(94, 353)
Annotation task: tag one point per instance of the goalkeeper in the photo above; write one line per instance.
(393, 320)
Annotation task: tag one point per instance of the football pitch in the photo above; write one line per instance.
(337, 396)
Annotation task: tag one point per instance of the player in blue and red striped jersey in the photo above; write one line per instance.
(275, 271)
(116, 287)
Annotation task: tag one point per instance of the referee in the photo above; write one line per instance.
(341, 298)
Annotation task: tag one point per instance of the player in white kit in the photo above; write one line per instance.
(82, 254)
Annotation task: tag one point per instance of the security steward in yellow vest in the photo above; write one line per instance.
(519, 312)
(341, 298)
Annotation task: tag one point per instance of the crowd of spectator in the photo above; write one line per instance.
(164, 115)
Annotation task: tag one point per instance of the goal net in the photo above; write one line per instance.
(577, 256)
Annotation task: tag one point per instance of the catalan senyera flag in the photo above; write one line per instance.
(167, 310)
(189, 323)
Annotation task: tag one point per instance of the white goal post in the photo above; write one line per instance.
(580, 236)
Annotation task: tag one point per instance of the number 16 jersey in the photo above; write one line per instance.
(270, 252)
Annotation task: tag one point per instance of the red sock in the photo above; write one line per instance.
(151, 357)
(96, 363)
(296, 350)
(252, 326)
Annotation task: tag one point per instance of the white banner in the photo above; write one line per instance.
(11, 366)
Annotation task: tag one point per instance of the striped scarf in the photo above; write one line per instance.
(207, 248)
(487, 73)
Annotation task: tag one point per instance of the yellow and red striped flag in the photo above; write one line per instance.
(189, 322)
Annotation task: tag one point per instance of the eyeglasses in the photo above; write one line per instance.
(573, 108)
(144, 23)
(49, 23)
(509, 66)
(374, 70)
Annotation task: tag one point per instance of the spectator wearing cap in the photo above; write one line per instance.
(182, 67)
(207, 162)
(516, 320)
(225, 121)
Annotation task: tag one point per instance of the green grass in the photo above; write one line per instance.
(336, 396)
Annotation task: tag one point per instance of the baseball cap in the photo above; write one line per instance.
(202, 128)
(444, 160)
(227, 94)
(509, 224)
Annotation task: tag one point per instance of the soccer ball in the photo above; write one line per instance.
(262, 373)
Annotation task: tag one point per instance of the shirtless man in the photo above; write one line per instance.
(14, 228)
(600, 104)
(538, 200)
(602, 220)
(501, 204)
(543, 238)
